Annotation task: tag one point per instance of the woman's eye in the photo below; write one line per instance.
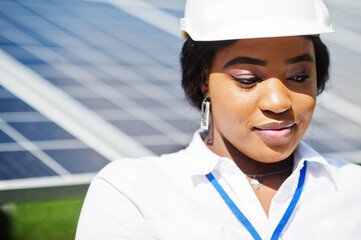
(300, 78)
(246, 80)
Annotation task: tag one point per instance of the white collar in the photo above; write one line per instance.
(304, 153)
(201, 160)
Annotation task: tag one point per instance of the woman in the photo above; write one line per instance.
(255, 69)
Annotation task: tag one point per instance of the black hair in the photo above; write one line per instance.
(197, 57)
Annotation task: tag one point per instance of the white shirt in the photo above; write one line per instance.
(169, 198)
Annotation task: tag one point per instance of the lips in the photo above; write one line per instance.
(275, 132)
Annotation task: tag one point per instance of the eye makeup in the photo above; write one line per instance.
(299, 74)
(246, 79)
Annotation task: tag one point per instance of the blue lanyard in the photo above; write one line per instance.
(277, 232)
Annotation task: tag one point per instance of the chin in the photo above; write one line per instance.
(278, 151)
(273, 154)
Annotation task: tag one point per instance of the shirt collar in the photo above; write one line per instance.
(304, 152)
(201, 160)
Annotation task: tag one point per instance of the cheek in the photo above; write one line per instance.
(229, 102)
(304, 102)
(304, 106)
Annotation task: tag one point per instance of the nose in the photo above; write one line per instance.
(275, 97)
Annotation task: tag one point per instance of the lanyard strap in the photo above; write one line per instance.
(237, 212)
(233, 207)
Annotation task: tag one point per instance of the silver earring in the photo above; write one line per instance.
(206, 110)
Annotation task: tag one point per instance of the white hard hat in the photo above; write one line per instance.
(213, 20)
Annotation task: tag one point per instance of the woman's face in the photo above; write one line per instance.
(263, 93)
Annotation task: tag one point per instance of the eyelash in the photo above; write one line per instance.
(253, 80)
(246, 81)
(299, 78)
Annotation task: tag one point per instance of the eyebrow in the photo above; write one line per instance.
(301, 58)
(255, 61)
(245, 60)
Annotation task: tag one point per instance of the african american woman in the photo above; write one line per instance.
(254, 69)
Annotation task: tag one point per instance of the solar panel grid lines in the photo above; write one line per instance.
(22, 158)
(142, 113)
(138, 59)
(148, 13)
(30, 124)
(65, 54)
(94, 29)
(329, 137)
(22, 164)
(103, 100)
(94, 50)
(11, 147)
(344, 73)
(27, 37)
(32, 148)
(55, 103)
(60, 144)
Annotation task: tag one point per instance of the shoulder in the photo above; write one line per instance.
(346, 176)
(336, 167)
(342, 165)
(123, 165)
(343, 168)
(126, 171)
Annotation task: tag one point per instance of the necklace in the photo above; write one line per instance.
(257, 179)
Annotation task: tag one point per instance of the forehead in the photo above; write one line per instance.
(269, 49)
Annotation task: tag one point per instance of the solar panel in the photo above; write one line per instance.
(94, 54)
(86, 82)
(32, 146)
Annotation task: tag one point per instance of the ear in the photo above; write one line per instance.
(205, 89)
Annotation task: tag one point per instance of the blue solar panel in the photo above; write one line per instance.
(22, 164)
(40, 131)
(78, 160)
(114, 64)
(44, 138)
(5, 138)
(14, 105)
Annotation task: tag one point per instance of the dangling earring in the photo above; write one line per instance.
(206, 110)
